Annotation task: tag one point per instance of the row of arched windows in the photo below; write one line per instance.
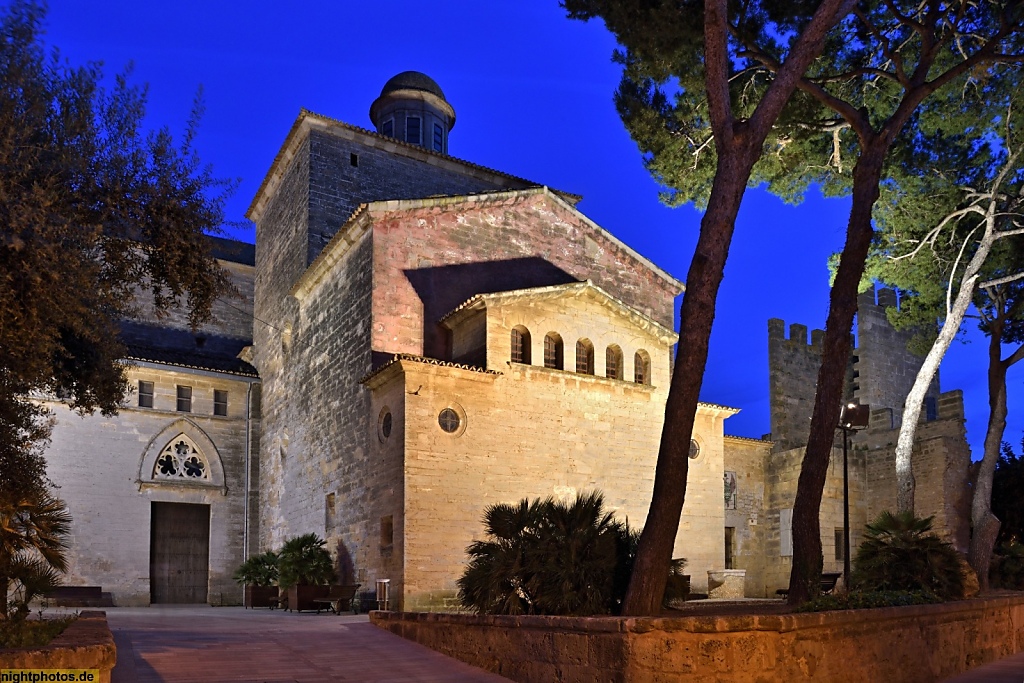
(554, 356)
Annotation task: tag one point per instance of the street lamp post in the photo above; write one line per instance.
(852, 417)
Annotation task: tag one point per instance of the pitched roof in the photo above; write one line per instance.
(307, 119)
(573, 289)
(154, 343)
(234, 251)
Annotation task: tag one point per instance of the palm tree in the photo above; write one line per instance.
(33, 530)
(900, 553)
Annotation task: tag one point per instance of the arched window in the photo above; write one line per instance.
(520, 345)
(553, 352)
(613, 362)
(584, 357)
(181, 459)
(642, 367)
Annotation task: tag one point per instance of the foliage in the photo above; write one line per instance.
(550, 557)
(94, 213)
(867, 600)
(1007, 568)
(33, 541)
(304, 561)
(1007, 501)
(900, 554)
(258, 570)
(32, 633)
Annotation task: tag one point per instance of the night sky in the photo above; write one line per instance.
(532, 92)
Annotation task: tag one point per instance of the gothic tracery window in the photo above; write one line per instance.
(182, 459)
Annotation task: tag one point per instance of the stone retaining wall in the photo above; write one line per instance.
(919, 644)
(86, 644)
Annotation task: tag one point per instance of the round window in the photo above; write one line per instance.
(449, 420)
(384, 424)
(694, 449)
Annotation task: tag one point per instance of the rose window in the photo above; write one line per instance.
(181, 459)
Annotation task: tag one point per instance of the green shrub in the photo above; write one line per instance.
(32, 633)
(258, 570)
(1007, 567)
(550, 557)
(304, 561)
(866, 600)
(900, 554)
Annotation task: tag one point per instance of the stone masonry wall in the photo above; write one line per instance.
(96, 463)
(781, 475)
(747, 459)
(792, 378)
(884, 370)
(941, 461)
(337, 187)
(434, 255)
(918, 644)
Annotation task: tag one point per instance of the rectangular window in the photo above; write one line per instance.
(412, 130)
(145, 394)
(353, 159)
(840, 546)
(184, 399)
(438, 138)
(220, 402)
(730, 540)
(388, 128)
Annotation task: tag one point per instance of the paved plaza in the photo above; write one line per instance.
(204, 644)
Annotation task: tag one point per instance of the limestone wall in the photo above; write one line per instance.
(104, 470)
(745, 511)
(535, 432)
(920, 644)
(792, 375)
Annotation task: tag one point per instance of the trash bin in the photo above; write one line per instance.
(383, 590)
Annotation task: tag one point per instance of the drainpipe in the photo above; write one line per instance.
(248, 465)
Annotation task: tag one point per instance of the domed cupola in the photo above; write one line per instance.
(412, 108)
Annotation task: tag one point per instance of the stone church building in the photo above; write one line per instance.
(420, 337)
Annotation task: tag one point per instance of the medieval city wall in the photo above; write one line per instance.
(941, 461)
(792, 376)
(884, 370)
(104, 467)
(782, 473)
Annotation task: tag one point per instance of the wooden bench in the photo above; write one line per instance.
(828, 584)
(79, 596)
(339, 599)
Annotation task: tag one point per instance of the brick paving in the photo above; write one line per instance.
(220, 644)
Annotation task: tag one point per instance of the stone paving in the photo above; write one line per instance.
(219, 644)
(1006, 670)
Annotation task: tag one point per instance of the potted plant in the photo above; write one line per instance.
(258, 575)
(306, 571)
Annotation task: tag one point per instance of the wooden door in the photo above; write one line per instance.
(179, 553)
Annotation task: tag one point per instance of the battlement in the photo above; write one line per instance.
(797, 334)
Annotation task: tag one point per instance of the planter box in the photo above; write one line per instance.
(301, 597)
(85, 644)
(261, 596)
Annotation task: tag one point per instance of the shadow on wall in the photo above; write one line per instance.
(344, 568)
(442, 288)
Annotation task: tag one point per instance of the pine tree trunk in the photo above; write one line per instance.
(905, 484)
(984, 524)
(739, 146)
(5, 586)
(650, 572)
(805, 576)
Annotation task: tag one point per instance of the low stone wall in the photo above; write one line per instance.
(85, 644)
(919, 644)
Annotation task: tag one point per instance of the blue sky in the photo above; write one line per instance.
(532, 93)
